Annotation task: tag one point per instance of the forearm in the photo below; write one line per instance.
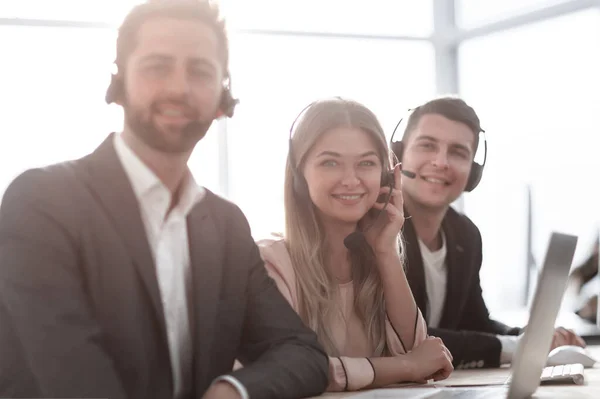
(399, 301)
(294, 370)
(390, 370)
(356, 373)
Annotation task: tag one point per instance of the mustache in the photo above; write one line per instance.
(189, 110)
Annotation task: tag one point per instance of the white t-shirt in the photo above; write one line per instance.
(436, 275)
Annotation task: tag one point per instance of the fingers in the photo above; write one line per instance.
(398, 175)
(448, 353)
(446, 361)
(571, 338)
(558, 339)
(443, 347)
(396, 198)
(564, 335)
(445, 371)
(394, 214)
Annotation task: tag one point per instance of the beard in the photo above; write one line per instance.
(160, 138)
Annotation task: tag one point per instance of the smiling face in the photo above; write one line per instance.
(173, 83)
(343, 173)
(440, 151)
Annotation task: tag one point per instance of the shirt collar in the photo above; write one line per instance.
(144, 181)
(435, 255)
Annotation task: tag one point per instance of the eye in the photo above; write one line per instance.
(460, 154)
(427, 146)
(157, 69)
(367, 163)
(201, 73)
(329, 163)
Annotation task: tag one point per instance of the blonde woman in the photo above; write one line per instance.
(357, 300)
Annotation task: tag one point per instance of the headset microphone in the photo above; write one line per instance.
(409, 174)
(355, 240)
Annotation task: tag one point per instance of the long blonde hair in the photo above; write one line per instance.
(305, 238)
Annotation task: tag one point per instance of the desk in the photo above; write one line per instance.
(591, 388)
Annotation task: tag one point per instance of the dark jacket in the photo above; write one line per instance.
(80, 310)
(465, 326)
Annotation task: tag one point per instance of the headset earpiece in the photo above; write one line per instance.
(228, 103)
(474, 176)
(300, 186)
(299, 182)
(397, 149)
(115, 90)
(476, 168)
(387, 179)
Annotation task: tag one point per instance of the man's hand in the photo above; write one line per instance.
(222, 390)
(562, 337)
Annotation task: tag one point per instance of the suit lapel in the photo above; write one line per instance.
(455, 287)
(206, 259)
(415, 269)
(110, 185)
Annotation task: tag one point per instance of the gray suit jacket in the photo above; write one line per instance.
(80, 310)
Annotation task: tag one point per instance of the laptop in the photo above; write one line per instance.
(532, 352)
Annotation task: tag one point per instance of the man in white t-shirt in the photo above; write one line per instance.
(439, 143)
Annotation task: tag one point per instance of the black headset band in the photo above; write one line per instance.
(481, 132)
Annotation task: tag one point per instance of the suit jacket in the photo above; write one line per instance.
(80, 309)
(465, 326)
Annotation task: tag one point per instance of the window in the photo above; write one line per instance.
(275, 77)
(536, 90)
(53, 85)
(104, 11)
(373, 17)
(471, 13)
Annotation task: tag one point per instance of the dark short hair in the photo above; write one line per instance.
(453, 108)
(203, 11)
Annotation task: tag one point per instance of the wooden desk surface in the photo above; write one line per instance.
(591, 388)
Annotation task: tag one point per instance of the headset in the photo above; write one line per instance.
(476, 169)
(116, 92)
(355, 240)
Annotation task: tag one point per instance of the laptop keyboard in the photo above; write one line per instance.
(567, 373)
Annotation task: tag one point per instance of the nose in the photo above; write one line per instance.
(178, 82)
(350, 178)
(441, 159)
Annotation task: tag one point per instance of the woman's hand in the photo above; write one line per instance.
(430, 360)
(383, 235)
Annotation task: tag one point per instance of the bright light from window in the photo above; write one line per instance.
(376, 17)
(536, 89)
(275, 77)
(471, 13)
(105, 11)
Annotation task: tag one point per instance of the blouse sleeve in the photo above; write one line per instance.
(394, 342)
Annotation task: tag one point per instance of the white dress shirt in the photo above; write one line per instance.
(167, 235)
(436, 275)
